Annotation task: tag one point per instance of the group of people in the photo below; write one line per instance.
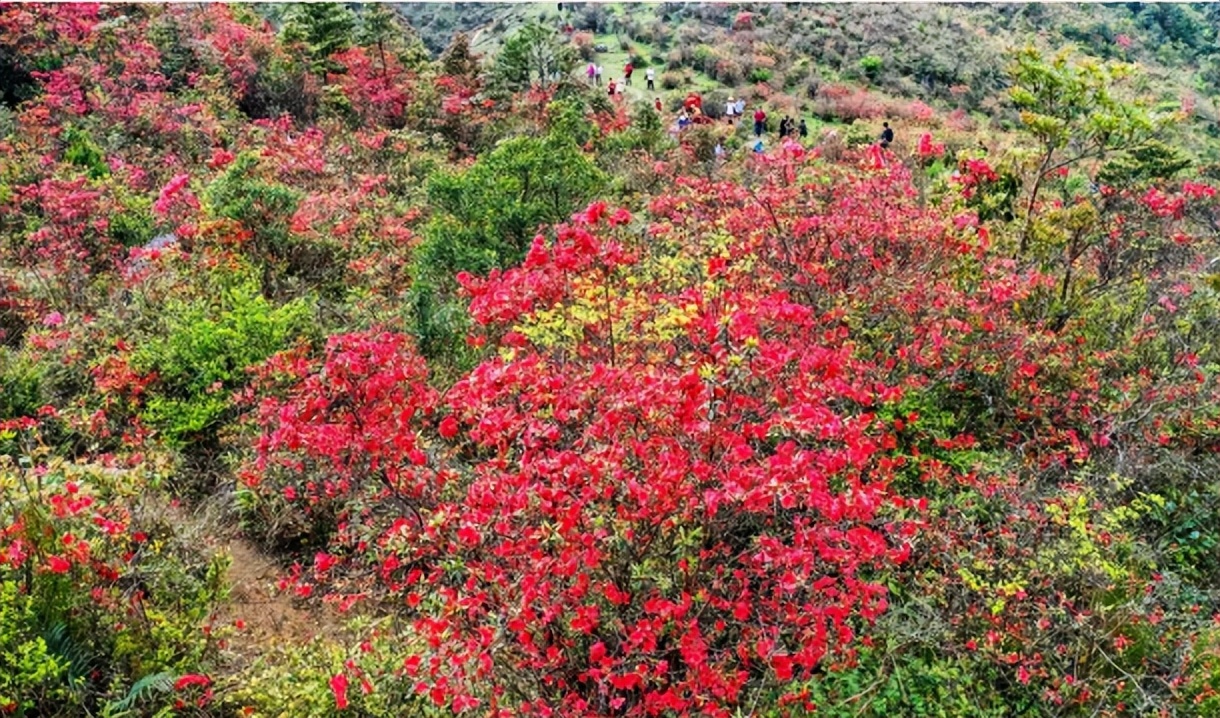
(734, 108)
(692, 109)
(594, 73)
(788, 127)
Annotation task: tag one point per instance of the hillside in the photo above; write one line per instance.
(368, 360)
(952, 56)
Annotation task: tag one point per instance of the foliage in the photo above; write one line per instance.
(100, 589)
(534, 55)
(201, 358)
(1074, 115)
(263, 211)
(486, 216)
(871, 65)
(533, 408)
(324, 28)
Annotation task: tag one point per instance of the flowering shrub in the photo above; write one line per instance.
(927, 148)
(99, 588)
(832, 432)
(847, 103)
(379, 95)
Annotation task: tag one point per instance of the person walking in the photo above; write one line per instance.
(760, 119)
(730, 109)
(599, 75)
(803, 130)
(592, 73)
(650, 74)
(627, 73)
(741, 108)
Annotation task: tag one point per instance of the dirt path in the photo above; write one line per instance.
(271, 618)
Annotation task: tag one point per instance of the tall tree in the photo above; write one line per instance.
(323, 28)
(1074, 114)
(381, 27)
(457, 60)
(533, 56)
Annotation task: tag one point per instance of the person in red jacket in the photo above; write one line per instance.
(611, 87)
(760, 120)
(657, 104)
(627, 73)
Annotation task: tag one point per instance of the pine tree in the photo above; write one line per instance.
(458, 60)
(534, 55)
(383, 28)
(323, 28)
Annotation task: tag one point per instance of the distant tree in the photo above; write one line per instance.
(323, 28)
(871, 66)
(1209, 73)
(1179, 23)
(534, 55)
(382, 28)
(457, 60)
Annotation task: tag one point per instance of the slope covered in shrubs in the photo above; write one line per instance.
(537, 408)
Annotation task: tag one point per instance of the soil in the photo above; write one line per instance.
(271, 618)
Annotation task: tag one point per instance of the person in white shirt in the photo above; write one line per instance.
(650, 75)
(599, 75)
(730, 109)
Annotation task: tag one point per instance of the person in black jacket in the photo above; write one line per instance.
(887, 135)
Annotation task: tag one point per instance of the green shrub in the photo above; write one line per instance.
(201, 358)
(265, 208)
(82, 151)
(760, 74)
(133, 225)
(871, 65)
(487, 216)
(31, 677)
(910, 684)
(704, 58)
(859, 135)
(21, 382)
